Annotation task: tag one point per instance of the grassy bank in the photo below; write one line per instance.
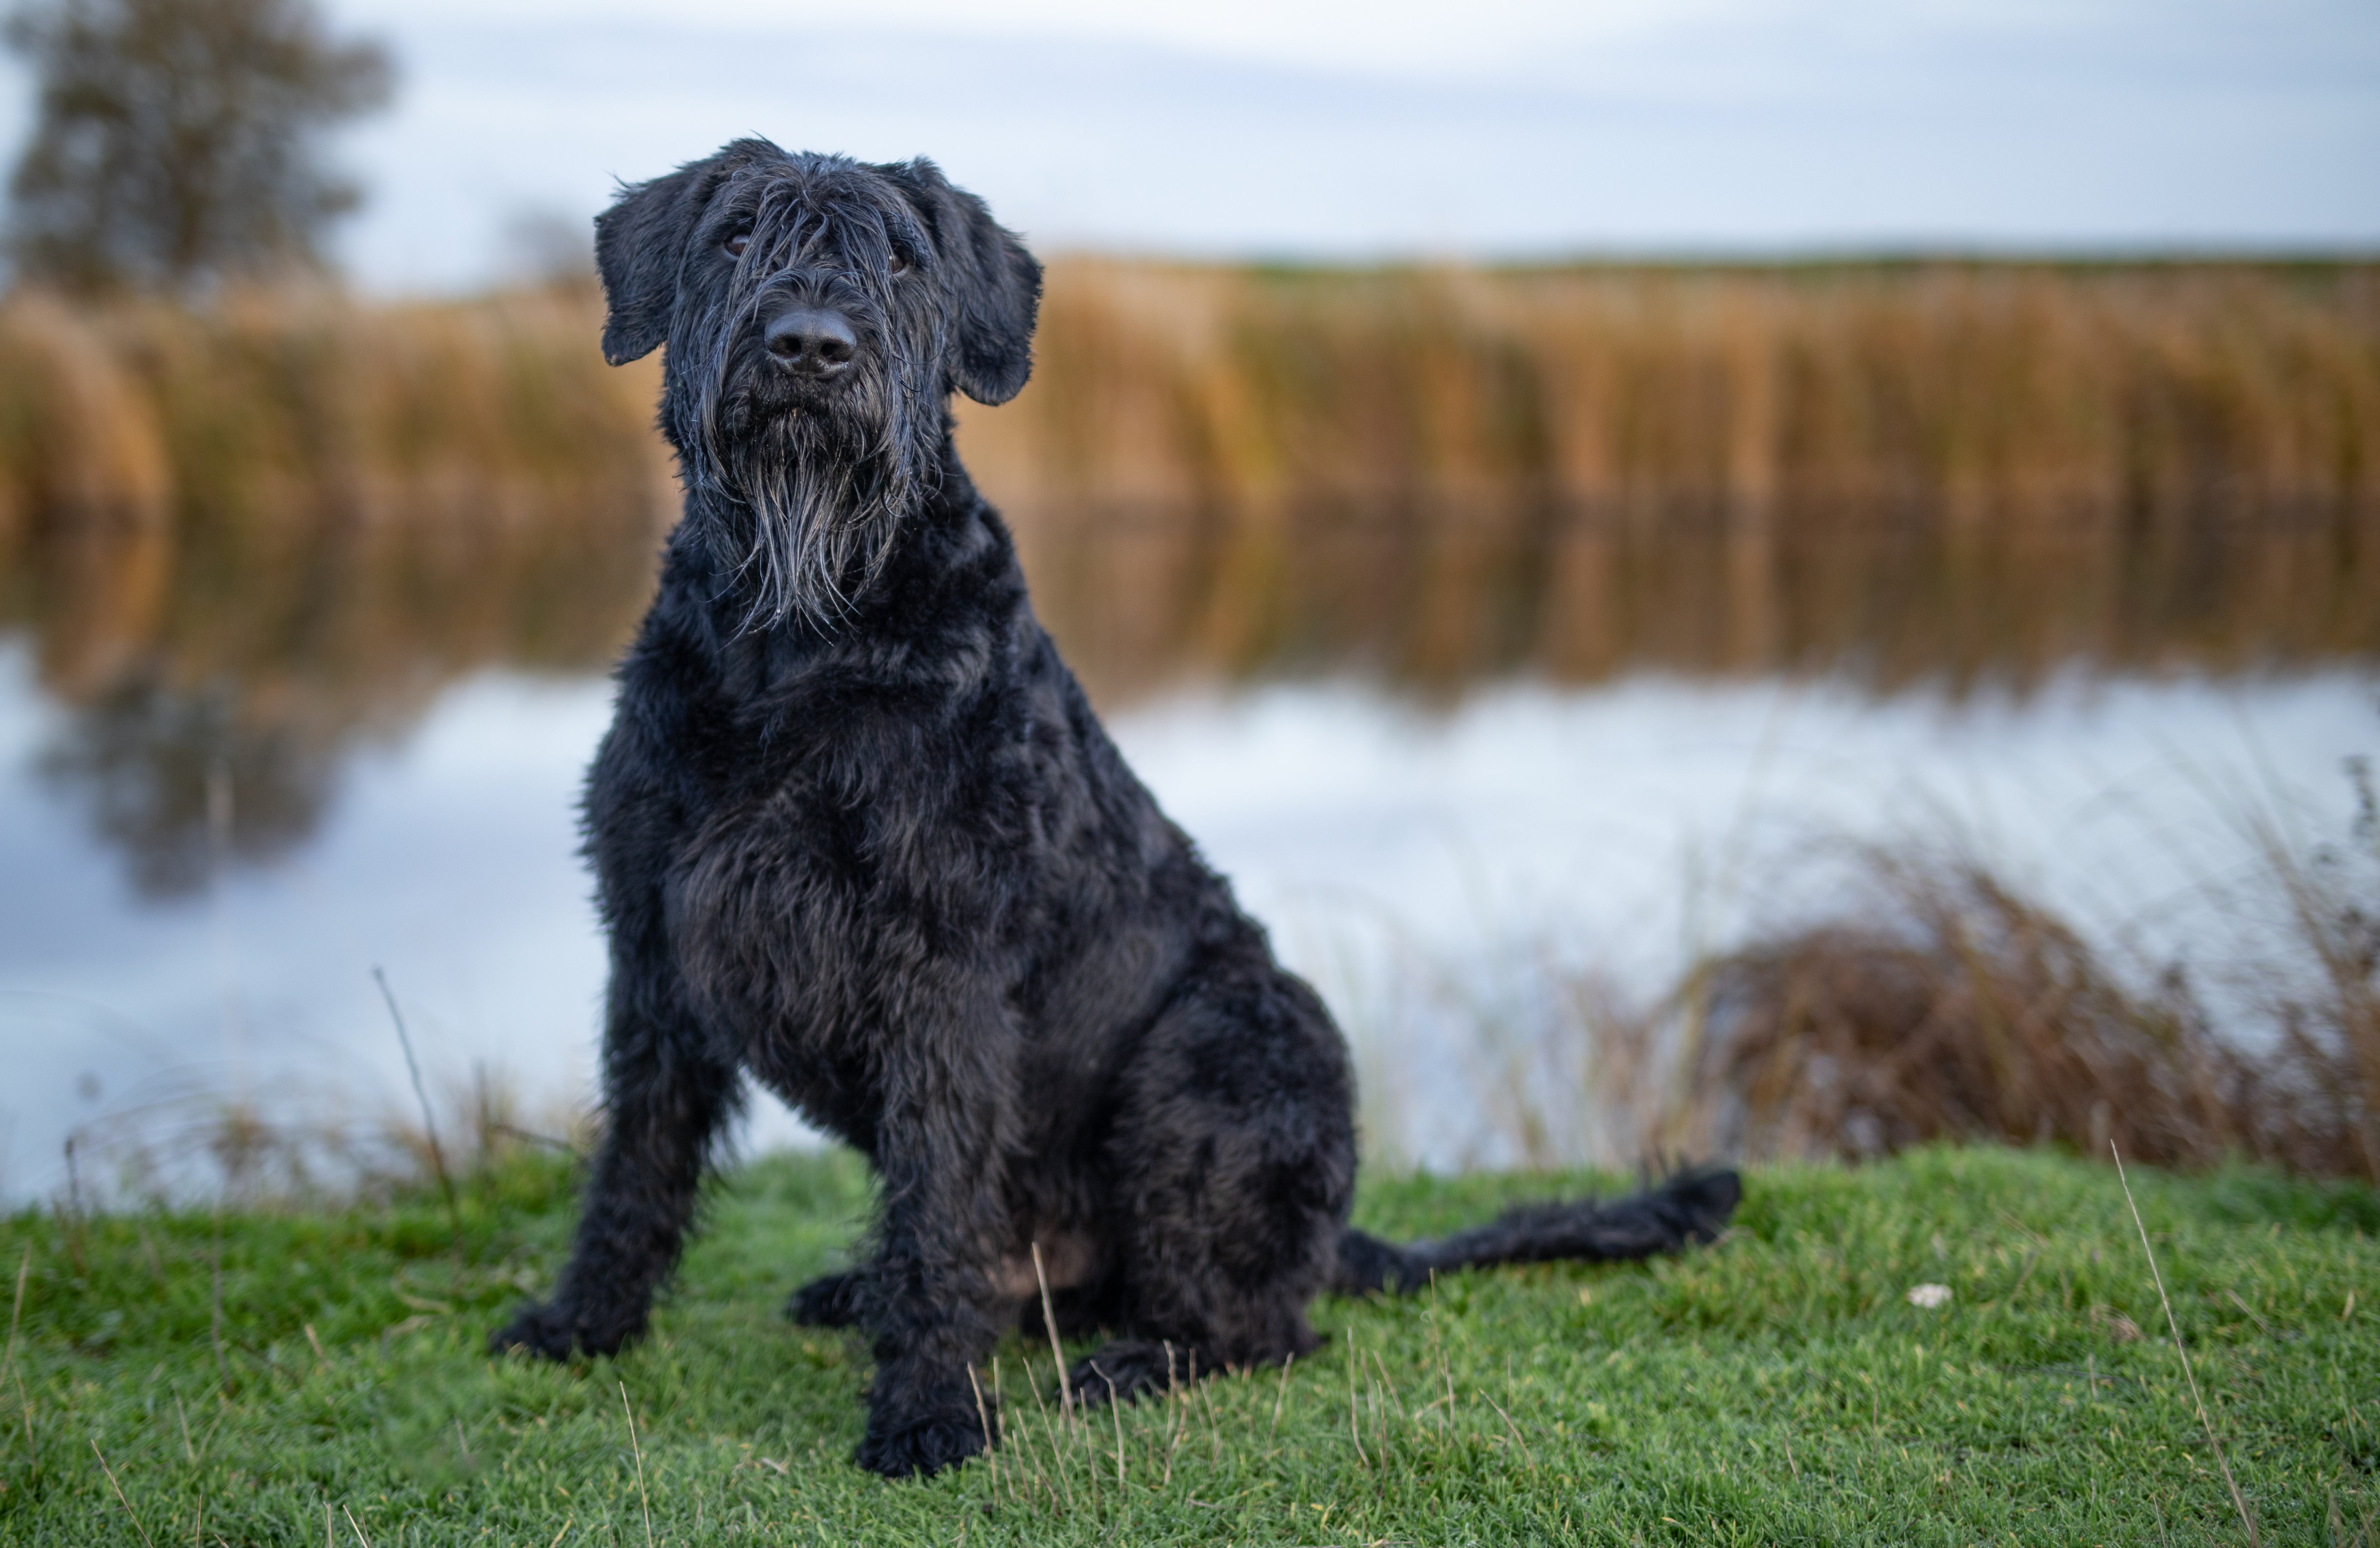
(247, 1374)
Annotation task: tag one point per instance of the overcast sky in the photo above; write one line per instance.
(1492, 129)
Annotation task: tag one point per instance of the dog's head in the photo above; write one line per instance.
(818, 312)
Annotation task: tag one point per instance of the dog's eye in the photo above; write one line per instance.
(735, 245)
(897, 263)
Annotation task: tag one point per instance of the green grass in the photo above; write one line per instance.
(1775, 1388)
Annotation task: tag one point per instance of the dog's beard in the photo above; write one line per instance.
(813, 504)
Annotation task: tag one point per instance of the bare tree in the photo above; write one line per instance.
(177, 142)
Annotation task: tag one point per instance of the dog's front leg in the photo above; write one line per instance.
(665, 1099)
(934, 1308)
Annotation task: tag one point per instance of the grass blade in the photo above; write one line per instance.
(2174, 1326)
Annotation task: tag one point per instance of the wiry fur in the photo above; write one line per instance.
(811, 495)
(858, 833)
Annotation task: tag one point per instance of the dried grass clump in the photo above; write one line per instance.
(1948, 1006)
(298, 1144)
(1953, 1007)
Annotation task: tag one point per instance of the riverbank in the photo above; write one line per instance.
(254, 1372)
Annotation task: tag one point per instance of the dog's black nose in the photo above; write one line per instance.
(815, 341)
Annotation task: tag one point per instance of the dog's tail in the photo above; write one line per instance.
(1689, 1207)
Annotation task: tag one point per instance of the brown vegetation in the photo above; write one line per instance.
(1950, 1007)
(294, 483)
(1926, 471)
(241, 537)
(241, 540)
(1944, 1004)
(1936, 1000)
(1922, 470)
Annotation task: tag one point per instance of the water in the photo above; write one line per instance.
(150, 967)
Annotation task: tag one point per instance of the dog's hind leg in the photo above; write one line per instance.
(666, 1099)
(1235, 1155)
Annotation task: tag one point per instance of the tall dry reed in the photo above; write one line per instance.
(293, 475)
(1933, 469)
(1920, 469)
(242, 538)
(1970, 391)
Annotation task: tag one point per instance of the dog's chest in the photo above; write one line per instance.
(836, 848)
(834, 836)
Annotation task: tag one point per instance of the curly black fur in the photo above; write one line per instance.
(858, 833)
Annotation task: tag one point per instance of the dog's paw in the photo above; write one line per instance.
(536, 1329)
(548, 1331)
(829, 1301)
(1128, 1369)
(920, 1447)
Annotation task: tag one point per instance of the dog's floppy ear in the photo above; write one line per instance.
(640, 247)
(994, 283)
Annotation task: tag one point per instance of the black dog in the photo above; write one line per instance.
(858, 833)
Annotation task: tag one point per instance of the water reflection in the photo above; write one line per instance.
(1433, 599)
(200, 661)
(217, 693)
(179, 785)
(1447, 878)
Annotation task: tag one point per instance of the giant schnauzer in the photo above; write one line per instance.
(858, 832)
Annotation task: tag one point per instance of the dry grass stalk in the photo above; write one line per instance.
(643, 1500)
(128, 1511)
(2174, 1326)
(1355, 1429)
(1049, 1321)
(1115, 1412)
(1049, 1433)
(428, 1118)
(983, 1417)
(16, 1313)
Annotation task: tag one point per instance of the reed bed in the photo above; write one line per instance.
(1919, 469)
(1995, 391)
(378, 493)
